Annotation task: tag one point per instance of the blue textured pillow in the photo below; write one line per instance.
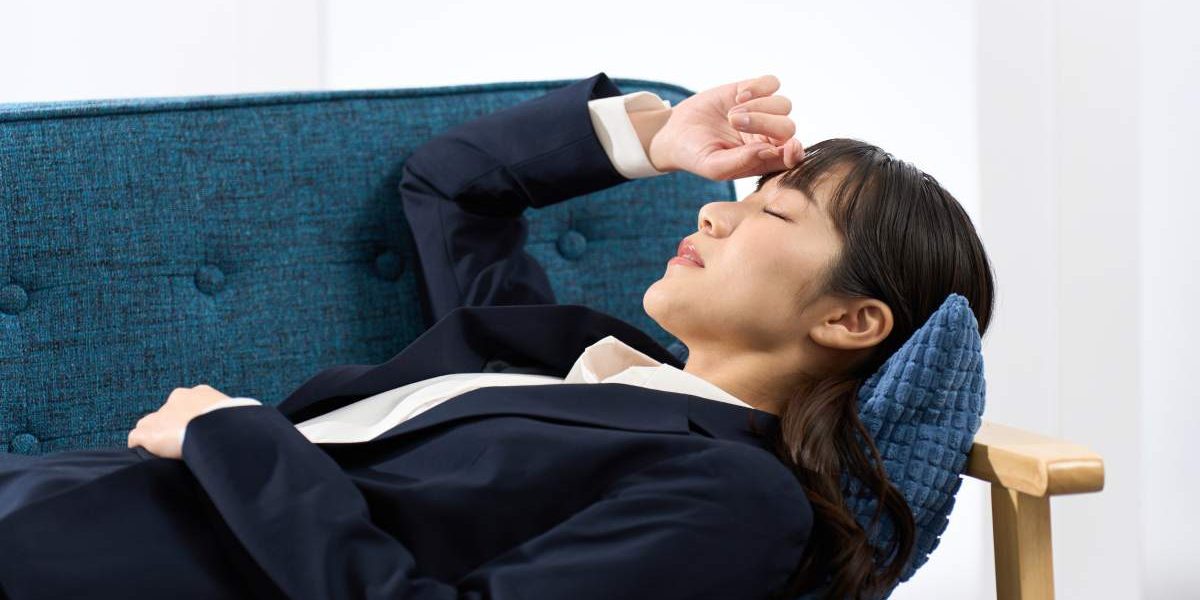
(922, 409)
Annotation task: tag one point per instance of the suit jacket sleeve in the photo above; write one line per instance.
(226, 403)
(726, 522)
(465, 189)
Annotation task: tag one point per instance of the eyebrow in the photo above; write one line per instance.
(804, 189)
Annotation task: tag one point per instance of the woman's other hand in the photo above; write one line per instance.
(703, 137)
(161, 432)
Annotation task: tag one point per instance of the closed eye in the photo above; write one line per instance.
(775, 215)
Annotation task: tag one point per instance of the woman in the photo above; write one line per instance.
(827, 268)
(824, 271)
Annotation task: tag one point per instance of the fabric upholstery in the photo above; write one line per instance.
(249, 241)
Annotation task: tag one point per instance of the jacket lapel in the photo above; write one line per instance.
(541, 338)
(547, 338)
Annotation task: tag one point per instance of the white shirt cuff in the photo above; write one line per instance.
(610, 118)
(226, 403)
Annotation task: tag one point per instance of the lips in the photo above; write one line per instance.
(688, 250)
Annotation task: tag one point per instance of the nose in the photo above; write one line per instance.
(717, 218)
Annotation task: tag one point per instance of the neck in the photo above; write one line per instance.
(756, 379)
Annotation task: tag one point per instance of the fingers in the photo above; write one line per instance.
(779, 105)
(793, 153)
(763, 85)
(768, 134)
(761, 115)
(788, 154)
(734, 162)
(779, 127)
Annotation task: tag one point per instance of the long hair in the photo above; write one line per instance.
(908, 243)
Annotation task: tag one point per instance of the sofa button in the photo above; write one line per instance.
(389, 265)
(571, 244)
(24, 443)
(13, 299)
(209, 279)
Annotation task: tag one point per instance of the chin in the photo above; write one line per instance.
(661, 304)
(646, 302)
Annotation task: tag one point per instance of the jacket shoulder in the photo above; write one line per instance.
(749, 483)
(763, 483)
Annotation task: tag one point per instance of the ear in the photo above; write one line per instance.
(853, 324)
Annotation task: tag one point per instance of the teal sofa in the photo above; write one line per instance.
(249, 241)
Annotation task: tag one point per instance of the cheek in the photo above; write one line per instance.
(759, 282)
(779, 278)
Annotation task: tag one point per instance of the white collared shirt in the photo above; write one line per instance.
(607, 361)
(610, 119)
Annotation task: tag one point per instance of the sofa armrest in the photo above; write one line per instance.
(1033, 464)
(1025, 470)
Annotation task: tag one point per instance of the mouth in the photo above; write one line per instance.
(686, 253)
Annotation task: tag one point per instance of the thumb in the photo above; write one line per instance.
(740, 159)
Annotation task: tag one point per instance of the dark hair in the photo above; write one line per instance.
(908, 243)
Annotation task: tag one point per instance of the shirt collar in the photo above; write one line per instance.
(612, 361)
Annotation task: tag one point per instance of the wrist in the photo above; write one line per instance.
(647, 124)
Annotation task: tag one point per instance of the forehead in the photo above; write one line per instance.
(820, 190)
(772, 190)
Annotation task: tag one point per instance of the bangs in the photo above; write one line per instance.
(858, 162)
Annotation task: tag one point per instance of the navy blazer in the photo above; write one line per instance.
(534, 492)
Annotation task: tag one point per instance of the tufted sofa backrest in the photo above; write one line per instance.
(249, 241)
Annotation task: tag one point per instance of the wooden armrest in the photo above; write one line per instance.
(1033, 464)
(1025, 469)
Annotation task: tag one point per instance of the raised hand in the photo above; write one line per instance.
(703, 137)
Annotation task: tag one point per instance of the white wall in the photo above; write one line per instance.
(1167, 156)
(901, 76)
(1060, 218)
(79, 49)
(1088, 128)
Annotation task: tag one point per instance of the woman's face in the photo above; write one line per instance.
(761, 271)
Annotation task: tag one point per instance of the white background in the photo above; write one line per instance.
(1066, 128)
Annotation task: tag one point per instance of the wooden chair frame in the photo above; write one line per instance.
(1025, 470)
